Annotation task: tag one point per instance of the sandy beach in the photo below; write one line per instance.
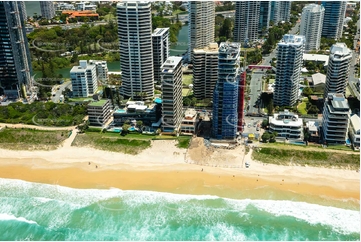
(166, 168)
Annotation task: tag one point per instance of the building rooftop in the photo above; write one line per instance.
(312, 126)
(318, 78)
(313, 7)
(83, 65)
(340, 50)
(159, 31)
(170, 64)
(99, 103)
(226, 47)
(315, 57)
(286, 118)
(355, 121)
(212, 47)
(290, 39)
(190, 114)
(85, 13)
(338, 102)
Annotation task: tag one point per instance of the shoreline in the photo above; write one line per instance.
(162, 168)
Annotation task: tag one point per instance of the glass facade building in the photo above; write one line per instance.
(15, 62)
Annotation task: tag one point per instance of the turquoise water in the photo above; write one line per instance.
(33, 211)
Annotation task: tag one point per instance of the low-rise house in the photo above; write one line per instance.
(313, 131)
(138, 111)
(287, 125)
(188, 124)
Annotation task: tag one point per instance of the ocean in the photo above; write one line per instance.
(35, 211)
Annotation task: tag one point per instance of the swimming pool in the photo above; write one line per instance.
(117, 130)
(132, 129)
(120, 111)
(158, 100)
(298, 143)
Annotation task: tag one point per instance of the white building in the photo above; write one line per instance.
(318, 80)
(287, 125)
(289, 63)
(336, 115)
(83, 79)
(205, 71)
(136, 53)
(64, 6)
(338, 69)
(316, 58)
(188, 124)
(246, 21)
(160, 41)
(201, 25)
(311, 25)
(354, 130)
(47, 9)
(172, 101)
(313, 130)
(102, 70)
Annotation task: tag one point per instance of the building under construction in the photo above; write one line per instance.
(15, 62)
(225, 95)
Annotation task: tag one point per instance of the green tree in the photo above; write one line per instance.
(139, 123)
(265, 137)
(307, 91)
(265, 123)
(186, 101)
(226, 28)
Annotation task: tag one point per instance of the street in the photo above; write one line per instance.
(58, 90)
(256, 80)
(256, 90)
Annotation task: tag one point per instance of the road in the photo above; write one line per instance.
(256, 80)
(267, 59)
(59, 91)
(256, 90)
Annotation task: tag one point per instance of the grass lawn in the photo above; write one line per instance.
(111, 142)
(80, 99)
(281, 154)
(178, 11)
(185, 92)
(183, 141)
(29, 139)
(132, 143)
(302, 108)
(271, 81)
(109, 17)
(187, 79)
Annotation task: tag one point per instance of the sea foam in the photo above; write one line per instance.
(208, 208)
(4, 217)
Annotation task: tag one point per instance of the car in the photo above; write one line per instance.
(257, 129)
